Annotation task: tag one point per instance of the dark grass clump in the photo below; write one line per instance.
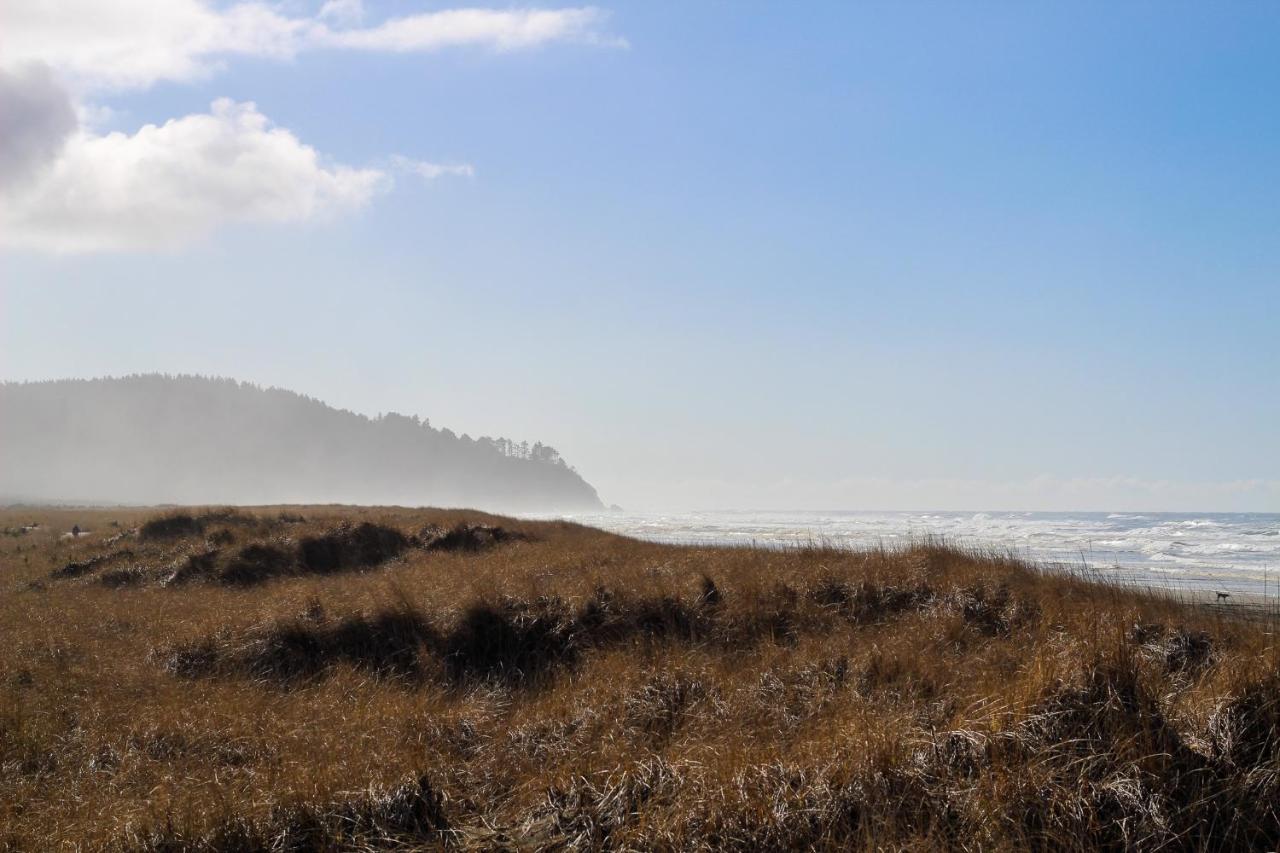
(235, 518)
(1110, 712)
(389, 644)
(90, 565)
(257, 563)
(588, 814)
(512, 641)
(79, 568)
(659, 707)
(180, 525)
(198, 566)
(126, 577)
(467, 537)
(221, 537)
(194, 659)
(1180, 650)
(260, 557)
(866, 601)
(411, 816)
(517, 643)
(1099, 762)
(349, 548)
(173, 526)
(993, 612)
(1246, 729)
(609, 618)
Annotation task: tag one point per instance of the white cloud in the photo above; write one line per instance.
(502, 30)
(343, 13)
(134, 43)
(38, 117)
(65, 187)
(168, 185)
(126, 44)
(431, 171)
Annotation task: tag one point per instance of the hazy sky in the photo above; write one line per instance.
(846, 255)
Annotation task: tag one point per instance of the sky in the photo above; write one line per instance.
(720, 255)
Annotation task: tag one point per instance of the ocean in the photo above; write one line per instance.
(1231, 552)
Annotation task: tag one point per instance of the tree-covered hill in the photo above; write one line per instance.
(188, 439)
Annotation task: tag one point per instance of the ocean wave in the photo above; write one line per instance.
(1199, 549)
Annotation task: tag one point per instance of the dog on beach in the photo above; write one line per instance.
(1223, 596)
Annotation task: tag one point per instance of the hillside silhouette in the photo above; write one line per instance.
(188, 439)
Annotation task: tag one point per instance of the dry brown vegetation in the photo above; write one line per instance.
(322, 678)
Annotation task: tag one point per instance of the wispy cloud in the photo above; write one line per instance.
(430, 171)
(129, 44)
(501, 30)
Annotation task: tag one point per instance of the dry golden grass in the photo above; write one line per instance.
(248, 681)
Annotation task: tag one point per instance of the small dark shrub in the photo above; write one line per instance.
(189, 660)
(192, 567)
(512, 641)
(388, 644)
(75, 570)
(286, 652)
(92, 564)
(1188, 650)
(221, 537)
(256, 563)
(668, 618)
(1246, 729)
(870, 602)
(350, 548)
(172, 526)
(117, 578)
(466, 537)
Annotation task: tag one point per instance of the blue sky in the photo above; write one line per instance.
(1016, 256)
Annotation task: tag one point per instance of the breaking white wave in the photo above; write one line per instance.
(1229, 551)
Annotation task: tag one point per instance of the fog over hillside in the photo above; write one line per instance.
(186, 439)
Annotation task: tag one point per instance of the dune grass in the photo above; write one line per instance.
(330, 678)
